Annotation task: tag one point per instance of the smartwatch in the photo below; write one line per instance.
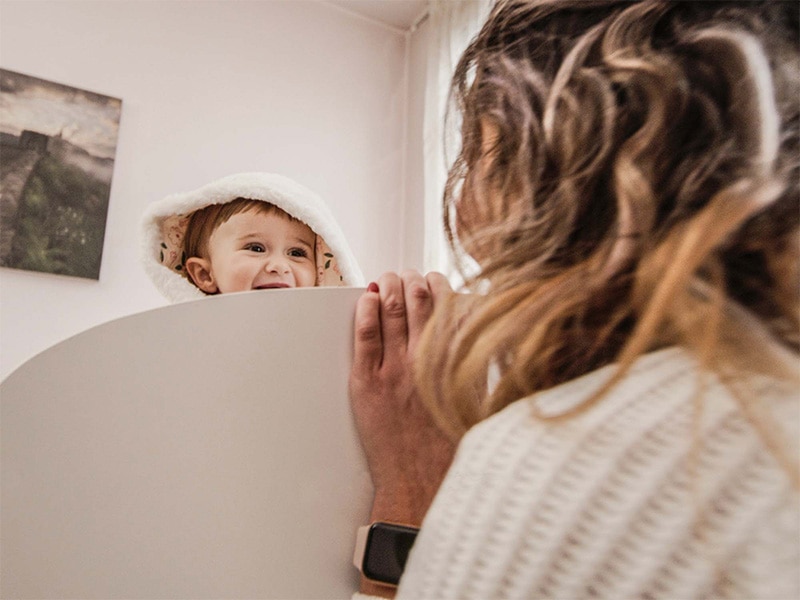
(382, 550)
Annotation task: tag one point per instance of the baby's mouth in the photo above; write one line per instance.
(271, 286)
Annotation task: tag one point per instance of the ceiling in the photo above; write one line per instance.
(400, 14)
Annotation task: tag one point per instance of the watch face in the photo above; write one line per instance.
(387, 551)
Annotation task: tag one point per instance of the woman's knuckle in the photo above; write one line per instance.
(367, 332)
(394, 307)
(419, 293)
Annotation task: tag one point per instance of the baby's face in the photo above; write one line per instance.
(253, 250)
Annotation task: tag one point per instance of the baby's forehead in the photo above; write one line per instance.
(301, 228)
(270, 211)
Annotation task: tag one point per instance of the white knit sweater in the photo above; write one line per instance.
(610, 505)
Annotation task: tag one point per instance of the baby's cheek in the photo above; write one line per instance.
(307, 277)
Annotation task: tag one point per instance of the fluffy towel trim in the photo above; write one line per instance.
(164, 221)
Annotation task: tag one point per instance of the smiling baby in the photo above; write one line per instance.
(250, 231)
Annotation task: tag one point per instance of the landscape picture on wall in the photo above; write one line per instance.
(57, 149)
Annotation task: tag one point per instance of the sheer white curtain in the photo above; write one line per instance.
(452, 24)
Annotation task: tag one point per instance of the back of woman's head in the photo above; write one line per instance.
(627, 179)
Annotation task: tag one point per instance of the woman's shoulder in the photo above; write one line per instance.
(627, 497)
(659, 384)
(666, 405)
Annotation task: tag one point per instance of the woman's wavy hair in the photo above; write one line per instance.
(627, 180)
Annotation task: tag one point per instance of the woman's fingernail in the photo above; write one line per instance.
(372, 287)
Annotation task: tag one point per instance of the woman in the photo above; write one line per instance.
(628, 186)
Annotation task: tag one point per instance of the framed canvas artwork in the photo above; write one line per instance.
(57, 149)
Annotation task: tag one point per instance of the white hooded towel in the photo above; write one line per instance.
(164, 224)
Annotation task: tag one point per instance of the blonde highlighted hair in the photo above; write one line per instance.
(627, 180)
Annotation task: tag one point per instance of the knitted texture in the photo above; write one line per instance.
(618, 502)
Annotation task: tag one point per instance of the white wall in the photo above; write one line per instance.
(414, 230)
(211, 88)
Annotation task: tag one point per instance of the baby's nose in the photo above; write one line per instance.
(277, 264)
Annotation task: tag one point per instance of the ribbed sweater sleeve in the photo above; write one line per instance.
(621, 501)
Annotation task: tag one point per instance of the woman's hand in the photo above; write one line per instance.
(407, 454)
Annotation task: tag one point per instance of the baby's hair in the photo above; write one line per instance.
(205, 221)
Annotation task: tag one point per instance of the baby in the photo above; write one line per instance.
(248, 245)
(244, 232)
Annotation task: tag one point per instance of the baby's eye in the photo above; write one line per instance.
(298, 253)
(255, 247)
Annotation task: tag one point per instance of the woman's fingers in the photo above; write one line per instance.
(439, 285)
(368, 342)
(389, 322)
(419, 306)
(394, 318)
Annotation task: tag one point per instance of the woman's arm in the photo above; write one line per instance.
(407, 454)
